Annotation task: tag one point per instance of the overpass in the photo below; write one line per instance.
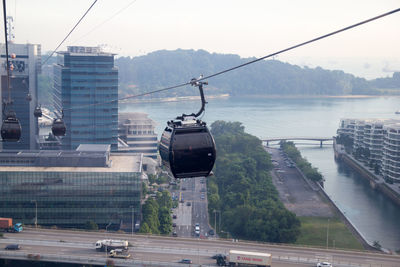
(297, 138)
(146, 250)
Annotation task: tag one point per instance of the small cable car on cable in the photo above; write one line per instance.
(187, 147)
(11, 128)
(58, 128)
(37, 112)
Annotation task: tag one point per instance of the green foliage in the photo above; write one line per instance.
(157, 214)
(91, 225)
(144, 189)
(268, 77)
(145, 229)
(313, 233)
(150, 215)
(308, 170)
(242, 188)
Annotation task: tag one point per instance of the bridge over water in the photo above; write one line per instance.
(297, 138)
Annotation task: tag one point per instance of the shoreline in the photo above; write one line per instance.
(219, 96)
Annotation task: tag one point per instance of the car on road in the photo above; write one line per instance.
(203, 190)
(13, 247)
(202, 196)
(188, 204)
(174, 233)
(211, 232)
(324, 264)
(187, 261)
(174, 216)
(174, 225)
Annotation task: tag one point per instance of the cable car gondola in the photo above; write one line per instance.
(37, 112)
(187, 147)
(11, 128)
(58, 128)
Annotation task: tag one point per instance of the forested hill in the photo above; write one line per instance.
(268, 77)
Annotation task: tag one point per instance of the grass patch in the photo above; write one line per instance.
(313, 233)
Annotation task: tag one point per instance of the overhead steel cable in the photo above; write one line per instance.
(250, 62)
(105, 21)
(79, 21)
(304, 43)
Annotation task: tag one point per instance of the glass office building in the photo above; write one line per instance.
(72, 196)
(85, 81)
(26, 65)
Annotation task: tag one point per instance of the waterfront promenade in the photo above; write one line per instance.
(376, 181)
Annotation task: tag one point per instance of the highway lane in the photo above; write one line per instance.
(167, 249)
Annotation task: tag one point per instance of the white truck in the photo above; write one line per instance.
(103, 245)
(245, 258)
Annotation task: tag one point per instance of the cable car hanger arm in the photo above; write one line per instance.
(198, 83)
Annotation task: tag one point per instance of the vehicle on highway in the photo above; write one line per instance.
(211, 232)
(6, 225)
(202, 196)
(103, 245)
(203, 190)
(219, 255)
(119, 253)
(188, 204)
(174, 216)
(324, 264)
(236, 257)
(13, 247)
(174, 233)
(174, 225)
(187, 261)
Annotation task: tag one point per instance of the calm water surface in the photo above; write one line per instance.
(375, 216)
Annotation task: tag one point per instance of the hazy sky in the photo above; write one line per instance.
(251, 28)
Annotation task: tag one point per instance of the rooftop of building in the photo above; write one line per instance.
(119, 163)
(86, 51)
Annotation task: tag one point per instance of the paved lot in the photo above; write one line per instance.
(294, 192)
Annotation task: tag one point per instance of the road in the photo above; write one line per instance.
(193, 209)
(172, 249)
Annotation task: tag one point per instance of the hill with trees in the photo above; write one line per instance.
(164, 68)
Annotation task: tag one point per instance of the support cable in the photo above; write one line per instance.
(247, 63)
(52, 53)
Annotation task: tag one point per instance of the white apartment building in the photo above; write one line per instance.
(391, 152)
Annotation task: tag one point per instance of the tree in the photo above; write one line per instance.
(145, 229)
(91, 225)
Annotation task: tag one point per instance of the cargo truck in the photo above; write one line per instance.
(6, 225)
(103, 245)
(245, 258)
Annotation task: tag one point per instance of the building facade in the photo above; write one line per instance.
(85, 94)
(26, 65)
(381, 139)
(109, 192)
(136, 134)
(391, 152)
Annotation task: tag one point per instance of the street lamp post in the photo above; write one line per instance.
(133, 209)
(327, 235)
(35, 212)
(106, 239)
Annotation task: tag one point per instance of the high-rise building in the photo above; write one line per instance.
(85, 92)
(26, 65)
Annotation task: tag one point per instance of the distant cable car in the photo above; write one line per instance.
(37, 112)
(58, 128)
(187, 147)
(11, 128)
